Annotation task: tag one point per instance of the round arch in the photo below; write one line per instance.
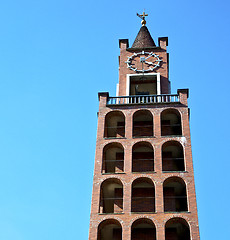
(171, 122)
(142, 157)
(172, 156)
(143, 195)
(113, 158)
(142, 123)
(114, 124)
(111, 196)
(177, 228)
(143, 228)
(109, 229)
(175, 195)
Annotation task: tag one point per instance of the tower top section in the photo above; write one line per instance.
(143, 68)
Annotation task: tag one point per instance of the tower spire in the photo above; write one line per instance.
(143, 38)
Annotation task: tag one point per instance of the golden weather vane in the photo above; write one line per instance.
(142, 16)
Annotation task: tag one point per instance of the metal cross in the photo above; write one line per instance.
(142, 16)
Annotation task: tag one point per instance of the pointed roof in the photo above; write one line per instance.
(143, 39)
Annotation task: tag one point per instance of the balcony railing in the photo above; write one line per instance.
(143, 99)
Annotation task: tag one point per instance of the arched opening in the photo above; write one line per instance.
(175, 195)
(142, 157)
(114, 125)
(143, 195)
(143, 229)
(111, 196)
(113, 158)
(171, 123)
(177, 229)
(143, 124)
(109, 229)
(172, 156)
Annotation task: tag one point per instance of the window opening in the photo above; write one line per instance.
(111, 196)
(143, 229)
(110, 230)
(142, 124)
(175, 195)
(143, 85)
(172, 157)
(171, 123)
(142, 157)
(177, 229)
(113, 158)
(143, 196)
(114, 125)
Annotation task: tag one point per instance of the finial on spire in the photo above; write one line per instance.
(142, 16)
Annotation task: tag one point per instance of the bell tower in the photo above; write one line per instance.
(143, 186)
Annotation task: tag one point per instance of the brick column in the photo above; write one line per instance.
(129, 126)
(126, 233)
(185, 123)
(157, 124)
(183, 95)
(128, 159)
(160, 232)
(127, 197)
(157, 158)
(159, 197)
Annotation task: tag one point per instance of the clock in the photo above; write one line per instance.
(148, 60)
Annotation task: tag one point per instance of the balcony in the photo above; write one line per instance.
(143, 99)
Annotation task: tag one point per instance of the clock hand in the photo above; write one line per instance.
(148, 57)
(150, 63)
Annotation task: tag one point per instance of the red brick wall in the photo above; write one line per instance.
(159, 217)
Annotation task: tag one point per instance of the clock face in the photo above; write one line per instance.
(142, 62)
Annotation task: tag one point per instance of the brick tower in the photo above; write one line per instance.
(143, 186)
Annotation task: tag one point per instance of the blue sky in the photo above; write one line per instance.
(55, 56)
